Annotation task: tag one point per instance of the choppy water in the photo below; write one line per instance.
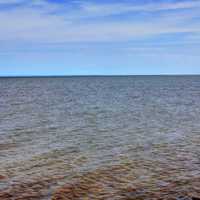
(52, 129)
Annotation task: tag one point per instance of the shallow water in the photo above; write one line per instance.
(55, 131)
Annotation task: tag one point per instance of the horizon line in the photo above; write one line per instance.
(92, 75)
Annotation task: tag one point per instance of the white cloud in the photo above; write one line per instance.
(105, 9)
(31, 24)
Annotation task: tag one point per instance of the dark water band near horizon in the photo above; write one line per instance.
(96, 138)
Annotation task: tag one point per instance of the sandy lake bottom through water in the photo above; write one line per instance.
(100, 138)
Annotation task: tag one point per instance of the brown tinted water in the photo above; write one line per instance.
(100, 138)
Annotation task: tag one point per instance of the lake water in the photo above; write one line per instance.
(126, 136)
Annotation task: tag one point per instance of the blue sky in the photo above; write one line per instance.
(101, 37)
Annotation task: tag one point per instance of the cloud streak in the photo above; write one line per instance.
(77, 28)
(120, 8)
(41, 21)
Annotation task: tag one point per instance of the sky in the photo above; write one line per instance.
(99, 37)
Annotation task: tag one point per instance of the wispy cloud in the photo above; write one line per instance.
(105, 9)
(47, 22)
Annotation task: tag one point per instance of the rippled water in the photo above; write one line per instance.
(57, 130)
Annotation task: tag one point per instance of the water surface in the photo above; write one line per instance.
(53, 129)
